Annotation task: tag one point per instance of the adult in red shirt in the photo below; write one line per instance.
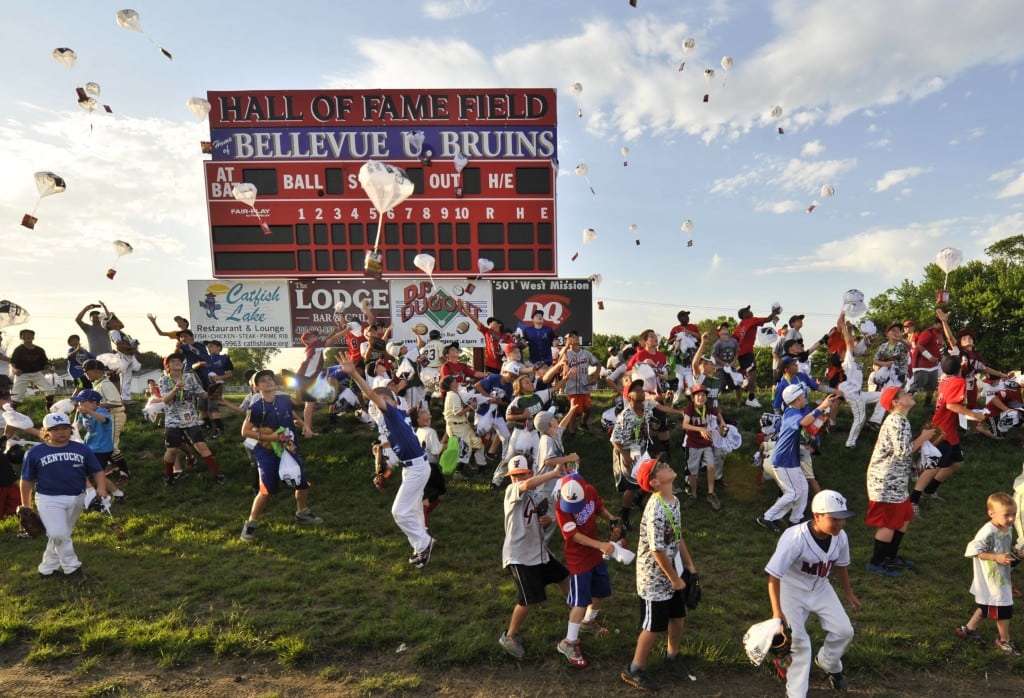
(494, 337)
(1004, 400)
(925, 358)
(746, 333)
(950, 405)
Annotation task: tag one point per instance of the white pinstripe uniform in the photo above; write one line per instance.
(803, 568)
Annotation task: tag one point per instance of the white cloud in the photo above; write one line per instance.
(812, 149)
(1014, 188)
(730, 185)
(450, 9)
(1002, 175)
(903, 53)
(787, 206)
(893, 177)
(887, 252)
(809, 176)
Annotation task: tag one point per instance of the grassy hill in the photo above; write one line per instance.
(183, 588)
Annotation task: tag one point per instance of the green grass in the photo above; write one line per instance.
(183, 588)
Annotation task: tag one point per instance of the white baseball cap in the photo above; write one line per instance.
(56, 419)
(792, 392)
(832, 503)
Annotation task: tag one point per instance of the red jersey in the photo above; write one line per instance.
(493, 353)
(463, 372)
(699, 419)
(928, 341)
(952, 391)
(314, 361)
(581, 558)
(656, 359)
(692, 330)
(746, 332)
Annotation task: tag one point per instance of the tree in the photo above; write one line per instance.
(150, 360)
(248, 358)
(988, 297)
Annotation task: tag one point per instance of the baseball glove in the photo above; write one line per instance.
(29, 522)
(692, 593)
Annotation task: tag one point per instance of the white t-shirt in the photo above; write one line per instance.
(991, 583)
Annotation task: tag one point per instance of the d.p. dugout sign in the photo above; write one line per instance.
(303, 150)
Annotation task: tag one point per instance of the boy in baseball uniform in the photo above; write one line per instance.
(798, 585)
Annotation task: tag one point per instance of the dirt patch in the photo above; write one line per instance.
(246, 678)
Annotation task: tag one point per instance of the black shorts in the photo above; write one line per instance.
(746, 361)
(655, 615)
(531, 579)
(174, 437)
(950, 455)
(435, 486)
(996, 612)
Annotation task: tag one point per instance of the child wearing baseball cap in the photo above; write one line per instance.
(579, 507)
(992, 556)
(798, 585)
(664, 568)
(525, 553)
(889, 508)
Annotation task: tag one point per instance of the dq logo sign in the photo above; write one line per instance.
(556, 309)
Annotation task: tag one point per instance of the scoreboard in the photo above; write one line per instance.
(303, 150)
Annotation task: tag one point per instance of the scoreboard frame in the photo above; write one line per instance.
(303, 151)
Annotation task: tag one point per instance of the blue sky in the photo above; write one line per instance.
(910, 110)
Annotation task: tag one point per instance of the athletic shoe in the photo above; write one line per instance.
(753, 403)
(639, 679)
(679, 668)
(836, 681)
(572, 652)
(594, 628)
(117, 493)
(221, 479)
(897, 562)
(420, 559)
(917, 510)
(934, 496)
(307, 517)
(965, 633)
(771, 525)
(249, 530)
(78, 577)
(512, 645)
(713, 501)
(883, 571)
(689, 501)
(1009, 648)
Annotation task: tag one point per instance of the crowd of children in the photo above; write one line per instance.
(510, 422)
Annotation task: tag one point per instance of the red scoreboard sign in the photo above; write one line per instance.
(303, 150)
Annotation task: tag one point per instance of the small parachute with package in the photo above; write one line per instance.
(948, 259)
(726, 64)
(12, 314)
(776, 114)
(425, 263)
(199, 107)
(577, 90)
(689, 45)
(687, 227)
(65, 56)
(827, 192)
(88, 99)
(853, 304)
(47, 184)
(246, 194)
(634, 230)
(625, 156)
(386, 186)
(709, 76)
(483, 266)
(583, 170)
(460, 161)
(767, 336)
(130, 20)
(121, 248)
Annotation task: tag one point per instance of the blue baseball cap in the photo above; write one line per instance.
(88, 396)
